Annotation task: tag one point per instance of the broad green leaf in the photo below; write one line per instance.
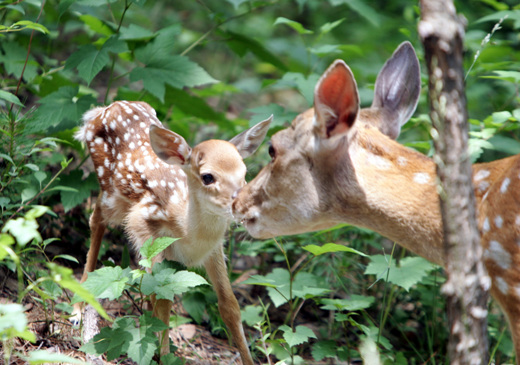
(83, 188)
(293, 24)
(305, 85)
(13, 323)
(144, 343)
(167, 283)
(300, 335)
(36, 212)
(107, 282)
(11, 98)
(330, 247)
(23, 230)
(505, 144)
(152, 248)
(6, 241)
(13, 60)
(63, 276)
(96, 25)
(327, 27)
(323, 349)
(192, 105)
(176, 71)
(114, 341)
(135, 33)
(251, 314)
(410, 272)
(89, 60)
(281, 115)
(512, 15)
(326, 49)
(354, 303)
(95, 2)
(61, 105)
(360, 7)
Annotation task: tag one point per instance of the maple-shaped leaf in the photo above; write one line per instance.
(58, 106)
(89, 60)
(300, 335)
(176, 71)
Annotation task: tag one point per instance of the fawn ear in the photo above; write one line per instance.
(397, 90)
(248, 141)
(169, 146)
(336, 101)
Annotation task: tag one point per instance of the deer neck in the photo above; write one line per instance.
(392, 190)
(202, 224)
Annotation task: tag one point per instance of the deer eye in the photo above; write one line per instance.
(207, 179)
(272, 151)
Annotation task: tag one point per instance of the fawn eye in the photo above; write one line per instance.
(207, 179)
(272, 152)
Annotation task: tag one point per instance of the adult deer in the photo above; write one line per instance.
(154, 184)
(339, 163)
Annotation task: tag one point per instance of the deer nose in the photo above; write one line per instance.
(235, 194)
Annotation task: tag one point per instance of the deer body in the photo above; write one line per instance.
(154, 184)
(339, 163)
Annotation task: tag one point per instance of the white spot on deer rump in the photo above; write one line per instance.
(501, 284)
(100, 171)
(505, 185)
(421, 178)
(499, 221)
(485, 225)
(378, 162)
(498, 254)
(482, 174)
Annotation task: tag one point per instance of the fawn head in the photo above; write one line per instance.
(315, 169)
(214, 168)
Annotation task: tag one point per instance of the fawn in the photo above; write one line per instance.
(339, 163)
(154, 184)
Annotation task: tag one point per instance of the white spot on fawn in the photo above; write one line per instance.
(379, 162)
(505, 185)
(100, 171)
(517, 220)
(98, 140)
(482, 174)
(499, 221)
(501, 284)
(485, 225)
(498, 254)
(421, 178)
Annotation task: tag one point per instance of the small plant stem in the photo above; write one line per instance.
(385, 312)
(110, 77)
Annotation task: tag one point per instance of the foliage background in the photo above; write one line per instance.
(211, 68)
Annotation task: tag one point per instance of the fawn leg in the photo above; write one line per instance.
(227, 302)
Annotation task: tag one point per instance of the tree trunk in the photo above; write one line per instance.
(442, 34)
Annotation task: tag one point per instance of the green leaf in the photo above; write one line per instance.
(89, 61)
(107, 282)
(305, 85)
(251, 314)
(510, 76)
(113, 341)
(82, 188)
(31, 25)
(354, 303)
(300, 335)
(96, 25)
(167, 283)
(11, 98)
(513, 15)
(45, 357)
(192, 105)
(505, 144)
(13, 323)
(330, 247)
(327, 27)
(409, 273)
(360, 7)
(241, 44)
(13, 60)
(152, 248)
(176, 71)
(23, 230)
(61, 105)
(144, 343)
(293, 24)
(237, 3)
(323, 349)
(135, 33)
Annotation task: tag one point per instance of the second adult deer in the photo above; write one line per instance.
(183, 193)
(339, 163)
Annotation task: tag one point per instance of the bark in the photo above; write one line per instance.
(442, 33)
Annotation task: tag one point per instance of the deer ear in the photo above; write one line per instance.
(336, 100)
(169, 146)
(248, 141)
(397, 89)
